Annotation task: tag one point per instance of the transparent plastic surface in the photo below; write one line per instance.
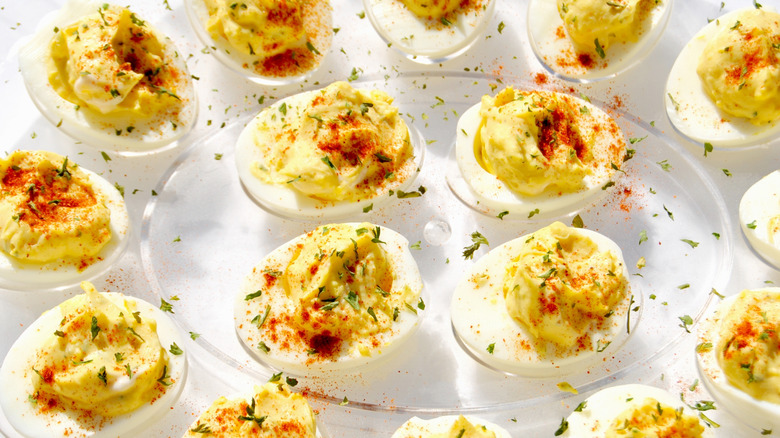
(202, 234)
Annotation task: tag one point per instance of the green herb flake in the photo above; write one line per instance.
(175, 350)
(477, 240)
(562, 428)
(490, 348)
(166, 306)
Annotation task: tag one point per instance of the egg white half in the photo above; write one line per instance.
(286, 201)
(759, 414)
(691, 110)
(100, 130)
(17, 383)
(294, 359)
(61, 274)
(427, 41)
(416, 427)
(604, 406)
(318, 23)
(759, 204)
(489, 195)
(559, 55)
(480, 318)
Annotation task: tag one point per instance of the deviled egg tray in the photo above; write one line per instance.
(196, 233)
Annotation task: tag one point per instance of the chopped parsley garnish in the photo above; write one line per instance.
(352, 300)
(253, 295)
(250, 415)
(577, 222)
(164, 376)
(562, 428)
(502, 214)
(600, 49)
(103, 376)
(94, 329)
(326, 160)
(175, 349)
(201, 428)
(686, 322)
(166, 306)
(690, 242)
(259, 320)
(477, 240)
(581, 406)
(491, 347)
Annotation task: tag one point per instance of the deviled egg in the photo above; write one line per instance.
(545, 303)
(273, 410)
(328, 153)
(738, 356)
(450, 425)
(96, 365)
(430, 32)
(586, 40)
(524, 152)
(107, 77)
(723, 88)
(633, 410)
(59, 223)
(269, 41)
(759, 216)
(339, 296)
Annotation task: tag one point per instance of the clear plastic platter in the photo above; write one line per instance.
(202, 234)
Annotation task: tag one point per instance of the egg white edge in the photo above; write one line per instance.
(197, 12)
(494, 194)
(60, 112)
(544, 20)
(290, 203)
(17, 386)
(741, 405)
(466, 29)
(248, 398)
(490, 309)
(693, 113)
(402, 330)
(606, 404)
(760, 203)
(34, 276)
(415, 426)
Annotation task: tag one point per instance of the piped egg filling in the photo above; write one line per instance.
(739, 67)
(334, 295)
(748, 345)
(103, 358)
(595, 24)
(112, 62)
(273, 411)
(49, 210)
(561, 286)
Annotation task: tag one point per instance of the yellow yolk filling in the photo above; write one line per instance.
(113, 62)
(49, 210)
(747, 350)
(342, 281)
(606, 21)
(104, 357)
(434, 9)
(654, 419)
(560, 285)
(740, 67)
(342, 145)
(531, 143)
(274, 412)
